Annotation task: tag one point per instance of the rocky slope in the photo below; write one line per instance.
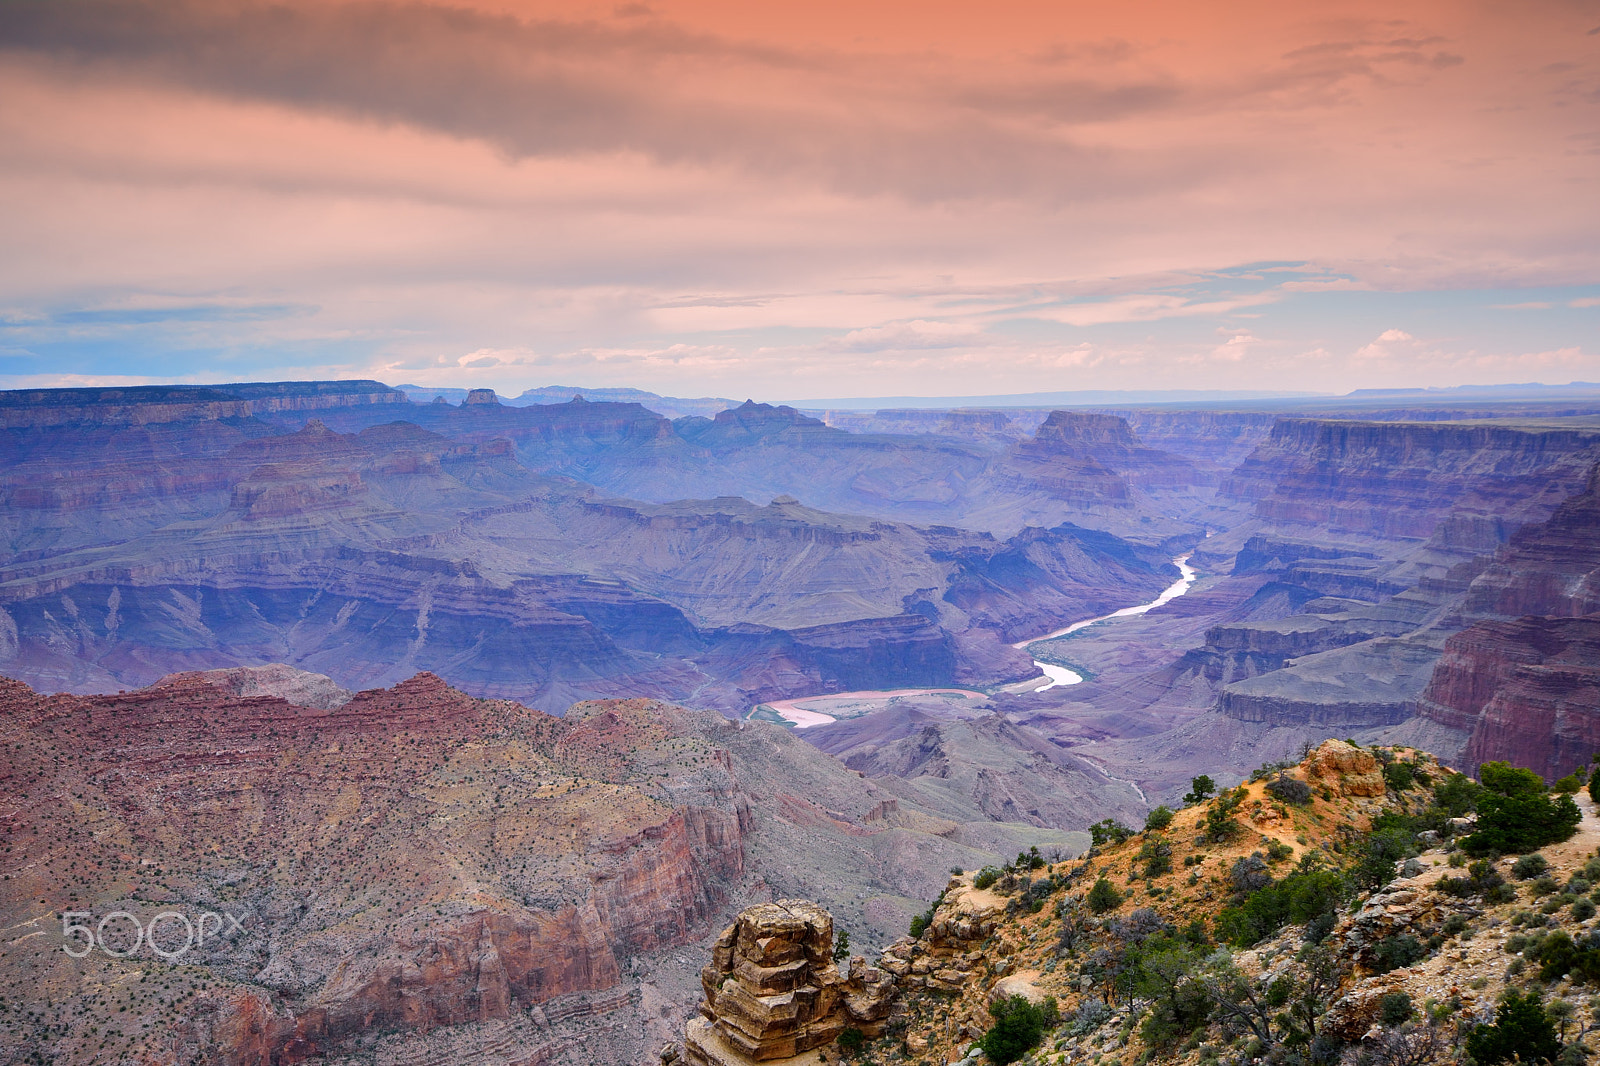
(413, 872)
(1163, 948)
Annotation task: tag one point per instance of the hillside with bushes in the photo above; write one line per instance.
(1363, 905)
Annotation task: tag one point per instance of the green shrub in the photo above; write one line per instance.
(1516, 815)
(1521, 1029)
(1395, 1009)
(852, 1040)
(985, 877)
(1529, 866)
(1303, 896)
(1379, 851)
(1108, 831)
(1457, 795)
(1399, 776)
(1393, 952)
(1482, 879)
(1018, 1027)
(1158, 819)
(1594, 787)
(1104, 897)
(1567, 785)
(1220, 824)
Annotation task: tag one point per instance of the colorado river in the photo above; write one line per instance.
(1060, 675)
(795, 711)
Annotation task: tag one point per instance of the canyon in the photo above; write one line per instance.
(455, 706)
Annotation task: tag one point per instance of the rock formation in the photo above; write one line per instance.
(772, 991)
(1522, 682)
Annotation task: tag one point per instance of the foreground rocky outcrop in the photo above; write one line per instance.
(773, 992)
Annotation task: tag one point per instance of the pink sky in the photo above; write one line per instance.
(794, 200)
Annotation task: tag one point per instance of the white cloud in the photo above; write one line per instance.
(909, 336)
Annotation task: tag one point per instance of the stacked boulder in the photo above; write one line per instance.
(773, 991)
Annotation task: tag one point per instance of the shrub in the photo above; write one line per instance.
(1399, 776)
(1108, 831)
(1157, 858)
(1090, 1015)
(985, 877)
(1308, 895)
(1104, 897)
(1158, 819)
(1567, 785)
(1481, 880)
(1521, 1029)
(1529, 866)
(841, 947)
(1456, 795)
(1395, 1009)
(1594, 787)
(1380, 850)
(1018, 1027)
(1515, 814)
(1290, 790)
(1582, 910)
(852, 1040)
(1393, 952)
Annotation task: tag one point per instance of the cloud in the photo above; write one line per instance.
(1146, 307)
(1586, 301)
(1390, 345)
(1530, 305)
(908, 336)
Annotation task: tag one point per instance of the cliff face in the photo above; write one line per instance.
(1390, 479)
(1522, 682)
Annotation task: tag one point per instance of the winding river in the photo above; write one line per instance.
(1060, 675)
(803, 717)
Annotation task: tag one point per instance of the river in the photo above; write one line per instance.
(804, 717)
(1060, 675)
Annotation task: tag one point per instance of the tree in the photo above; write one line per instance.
(1199, 788)
(1104, 897)
(1158, 819)
(1516, 814)
(841, 948)
(1018, 1027)
(1520, 1029)
(1108, 831)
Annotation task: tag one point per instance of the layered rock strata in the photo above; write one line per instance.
(773, 992)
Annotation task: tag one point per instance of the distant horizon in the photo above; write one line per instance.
(1076, 398)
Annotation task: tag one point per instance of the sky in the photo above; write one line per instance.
(787, 200)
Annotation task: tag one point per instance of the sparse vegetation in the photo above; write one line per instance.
(1018, 1027)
